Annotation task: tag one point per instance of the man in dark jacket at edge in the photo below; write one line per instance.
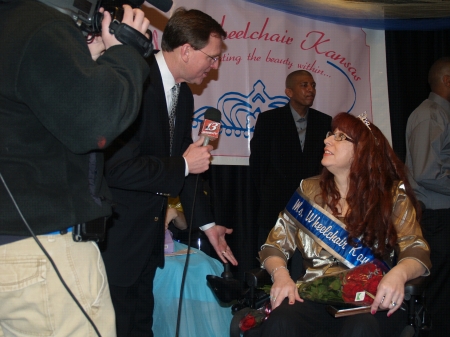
(58, 109)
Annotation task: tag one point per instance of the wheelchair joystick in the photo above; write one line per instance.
(226, 288)
(227, 274)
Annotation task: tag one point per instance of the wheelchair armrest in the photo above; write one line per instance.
(256, 278)
(415, 301)
(415, 287)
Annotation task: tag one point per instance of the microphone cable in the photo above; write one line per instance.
(48, 256)
(183, 278)
(213, 115)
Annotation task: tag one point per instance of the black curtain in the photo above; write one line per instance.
(409, 55)
(234, 205)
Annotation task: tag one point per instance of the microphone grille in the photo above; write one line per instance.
(213, 115)
(163, 5)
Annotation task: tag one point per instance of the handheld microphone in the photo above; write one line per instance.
(210, 127)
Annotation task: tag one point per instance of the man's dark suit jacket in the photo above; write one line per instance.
(141, 174)
(277, 162)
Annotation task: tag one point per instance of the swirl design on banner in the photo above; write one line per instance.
(350, 81)
(239, 111)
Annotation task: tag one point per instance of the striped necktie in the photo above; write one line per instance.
(175, 91)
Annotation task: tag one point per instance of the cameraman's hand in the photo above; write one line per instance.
(96, 47)
(198, 156)
(133, 17)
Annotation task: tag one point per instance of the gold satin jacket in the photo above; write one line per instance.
(284, 237)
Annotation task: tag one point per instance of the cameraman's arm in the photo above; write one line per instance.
(94, 101)
(133, 17)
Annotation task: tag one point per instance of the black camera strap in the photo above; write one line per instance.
(131, 37)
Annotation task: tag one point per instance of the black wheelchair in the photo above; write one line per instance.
(249, 295)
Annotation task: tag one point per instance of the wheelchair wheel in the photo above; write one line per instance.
(234, 326)
(408, 331)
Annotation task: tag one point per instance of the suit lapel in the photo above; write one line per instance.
(180, 121)
(157, 112)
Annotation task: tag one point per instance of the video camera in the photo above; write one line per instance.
(86, 15)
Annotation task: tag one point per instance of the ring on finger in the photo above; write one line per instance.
(393, 304)
(274, 298)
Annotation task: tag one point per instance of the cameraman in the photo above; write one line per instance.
(58, 109)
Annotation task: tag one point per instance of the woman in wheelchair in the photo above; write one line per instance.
(364, 191)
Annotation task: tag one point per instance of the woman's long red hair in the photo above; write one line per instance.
(374, 173)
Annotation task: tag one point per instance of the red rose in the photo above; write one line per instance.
(361, 273)
(247, 322)
(349, 291)
(343, 286)
(372, 284)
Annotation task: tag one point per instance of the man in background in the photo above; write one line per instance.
(156, 158)
(287, 146)
(58, 109)
(428, 160)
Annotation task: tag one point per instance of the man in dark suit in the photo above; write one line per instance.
(287, 146)
(146, 165)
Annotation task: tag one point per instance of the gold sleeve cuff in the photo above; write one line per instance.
(269, 251)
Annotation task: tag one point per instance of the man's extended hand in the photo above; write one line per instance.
(198, 157)
(216, 236)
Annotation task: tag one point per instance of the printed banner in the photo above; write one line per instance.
(262, 47)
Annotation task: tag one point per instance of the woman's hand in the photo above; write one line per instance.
(283, 286)
(177, 217)
(391, 290)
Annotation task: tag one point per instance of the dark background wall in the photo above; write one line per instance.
(409, 55)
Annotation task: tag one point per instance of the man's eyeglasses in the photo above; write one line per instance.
(214, 59)
(339, 136)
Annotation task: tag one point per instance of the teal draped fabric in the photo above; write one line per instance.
(202, 313)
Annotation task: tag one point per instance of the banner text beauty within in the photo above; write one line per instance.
(314, 40)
